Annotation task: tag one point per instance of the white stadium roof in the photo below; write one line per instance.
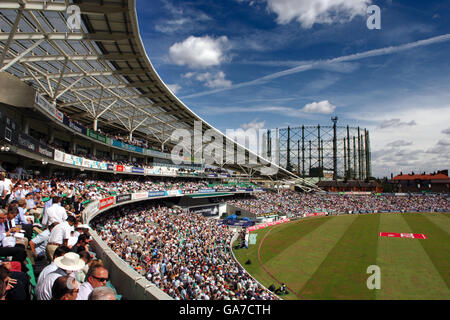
(100, 73)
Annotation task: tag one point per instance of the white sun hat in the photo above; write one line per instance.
(70, 262)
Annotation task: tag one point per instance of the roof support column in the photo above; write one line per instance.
(95, 126)
(134, 129)
(162, 144)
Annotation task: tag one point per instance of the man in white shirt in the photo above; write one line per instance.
(67, 265)
(39, 243)
(60, 235)
(56, 213)
(97, 276)
(59, 252)
(5, 185)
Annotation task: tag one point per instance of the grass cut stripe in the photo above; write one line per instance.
(407, 273)
(297, 263)
(437, 246)
(439, 220)
(342, 275)
(288, 233)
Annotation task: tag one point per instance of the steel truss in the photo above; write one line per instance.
(310, 150)
(99, 74)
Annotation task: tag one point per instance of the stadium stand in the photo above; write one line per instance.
(84, 131)
(184, 254)
(291, 204)
(434, 182)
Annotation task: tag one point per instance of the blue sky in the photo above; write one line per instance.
(273, 63)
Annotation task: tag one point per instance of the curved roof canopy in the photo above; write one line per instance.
(100, 73)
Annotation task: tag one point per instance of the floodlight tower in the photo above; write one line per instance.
(335, 170)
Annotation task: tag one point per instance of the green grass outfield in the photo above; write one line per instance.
(327, 258)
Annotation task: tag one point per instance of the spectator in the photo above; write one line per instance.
(102, 293)
(81, 244)
(56, 213)
(67, 265)
(97, 276)
(78, 205)
(65, 288)
(38, 244)
(17, 252)
(21, 219)
(89, 261)
(2, 290)
(59, 252)
(6, 186)
(60, 236)
(16, 238)
(31, 206)
(16, 284)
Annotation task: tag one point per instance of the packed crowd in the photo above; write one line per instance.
(186, 255)
(40, 191)
(289, 203)
(47, 238)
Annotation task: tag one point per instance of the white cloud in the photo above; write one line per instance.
(446, 131)
(248, 135)
(199, 52)
(254, 125)
(253, 109)
(189, 75)
(184, 18)
(214, 80)
(400, 143)
(427, 153)
(396, 123)
(174, 88)
(445, 143)
(323, 107)
(317, 64)
(171, 25)
(322, 83)
(309, 12)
